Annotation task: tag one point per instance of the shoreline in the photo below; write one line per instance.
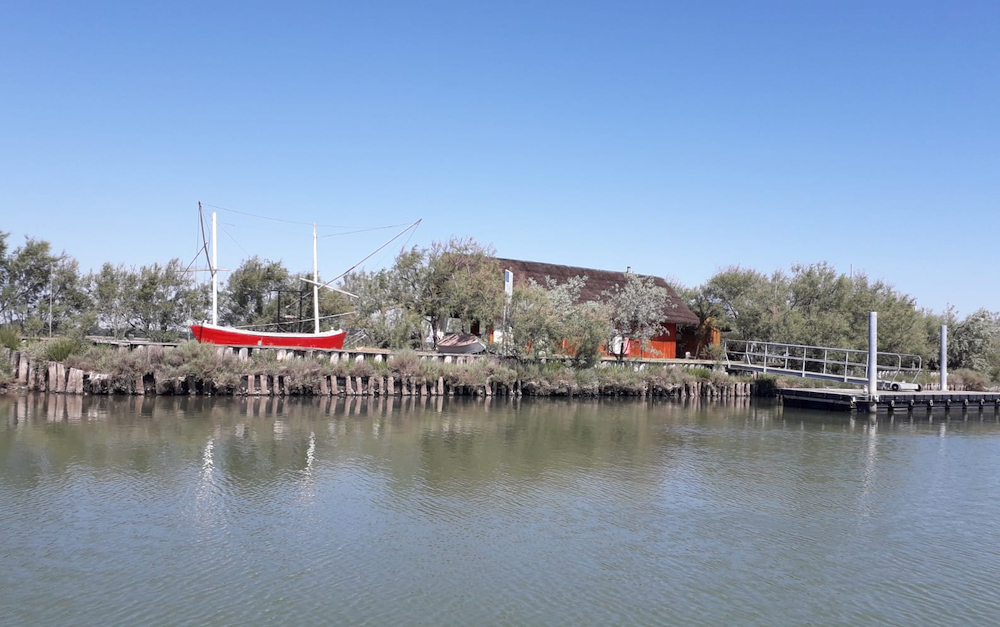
(202, 370)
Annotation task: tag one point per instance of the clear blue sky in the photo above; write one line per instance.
(676, 138)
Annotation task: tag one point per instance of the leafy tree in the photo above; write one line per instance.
(166, 300)
(750, 302)
(973, 342)
(71, 305)
(111, 289)
(429, 286)
(548, 320)
(708, 311)
(816, 298)
(532, 323)
(815, 305)
(636, 311)
(902, 326)
(25, 275)
(155, 301)
(250, 295)
(377, 312)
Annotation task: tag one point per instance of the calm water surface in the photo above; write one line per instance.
(270, 512)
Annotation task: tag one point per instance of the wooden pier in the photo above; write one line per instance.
(886, 402)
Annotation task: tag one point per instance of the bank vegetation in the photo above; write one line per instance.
(456, 286)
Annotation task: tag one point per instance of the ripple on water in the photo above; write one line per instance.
(583, 514)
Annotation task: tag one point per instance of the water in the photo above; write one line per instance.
(284, 512)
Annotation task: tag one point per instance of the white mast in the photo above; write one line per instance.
(215, 272)
(315, 283)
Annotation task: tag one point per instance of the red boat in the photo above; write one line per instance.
(228, 336)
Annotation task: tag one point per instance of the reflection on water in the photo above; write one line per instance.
(150, 511)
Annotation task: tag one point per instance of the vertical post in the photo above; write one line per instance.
(873, 355)
(215, 271)
(50, 299)
(944, 357)
(315, 283)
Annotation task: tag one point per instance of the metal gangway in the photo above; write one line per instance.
(895, 371)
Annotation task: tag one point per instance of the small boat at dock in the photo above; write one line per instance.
(460, 344)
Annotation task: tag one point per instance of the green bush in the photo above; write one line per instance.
(968, 380)
(406, 363)
(10, 339)
(62, 349)
(700, 373)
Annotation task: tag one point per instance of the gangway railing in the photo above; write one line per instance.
(895, 370)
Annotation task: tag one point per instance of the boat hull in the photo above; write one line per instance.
(227, 336)
(460, 344)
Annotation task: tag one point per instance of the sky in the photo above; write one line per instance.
(675, 138)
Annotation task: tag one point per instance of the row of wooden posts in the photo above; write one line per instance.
(45, 376)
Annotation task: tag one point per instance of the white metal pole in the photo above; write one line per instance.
(315, 282)
(944, 357)
(873, 355)
(215, 270)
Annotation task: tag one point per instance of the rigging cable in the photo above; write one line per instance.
(341, 275)
(328, 226)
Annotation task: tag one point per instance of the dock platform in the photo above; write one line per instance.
(885, 402)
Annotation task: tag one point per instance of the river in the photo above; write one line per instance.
(200, 511)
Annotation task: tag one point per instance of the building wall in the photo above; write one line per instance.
(660, 347)
(695, 340)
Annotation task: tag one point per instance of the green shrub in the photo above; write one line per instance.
(10, 339)
(62, 348)
(968, 380)
(406, 363)
(362, 369)
(700, 373)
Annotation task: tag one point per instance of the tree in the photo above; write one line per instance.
(155, 301)
(25, 275)
(72, 309)
(166, 300)
(548, 320)
(708, 311)
(378, 314)
(251, 292)
(636, 312)
(750, 302)
(973, 342)
(458, 281)
(111, 290)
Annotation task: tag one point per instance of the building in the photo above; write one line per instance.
(675, 312)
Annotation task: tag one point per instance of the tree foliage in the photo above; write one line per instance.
(154, 301)
(25, 274)
(41, 291)
(428, 287)
(548, 320)
(635, 312)
(816, 306)
(251, 292)
(974, 342)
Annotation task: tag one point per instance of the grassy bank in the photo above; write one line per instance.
(194, 368)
